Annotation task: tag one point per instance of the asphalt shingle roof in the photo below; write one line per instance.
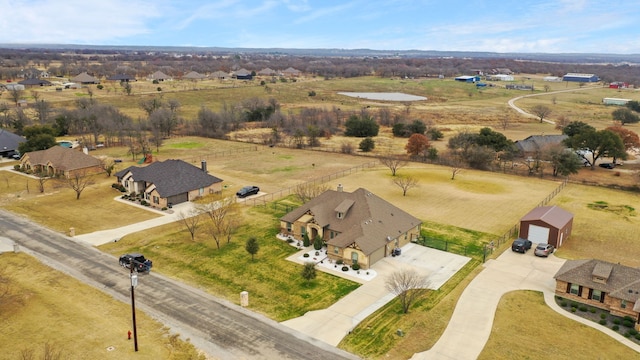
(10, 141)
(551, 215)
(171, 177)
(623, 282)
(370, 222)
(62, 158)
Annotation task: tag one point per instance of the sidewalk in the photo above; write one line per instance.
(111, 235)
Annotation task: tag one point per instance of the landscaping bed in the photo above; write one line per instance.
(621, 325)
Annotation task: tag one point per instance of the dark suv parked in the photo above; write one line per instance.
(140, 264)
(247, 190)
(521, 245)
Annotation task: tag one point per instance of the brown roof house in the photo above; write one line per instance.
(601, 284)
(546, 224)
(61, 161)
(533, 145)
(357, 227)
(84, 78)
(169, 182)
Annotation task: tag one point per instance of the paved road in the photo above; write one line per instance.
(221, 329)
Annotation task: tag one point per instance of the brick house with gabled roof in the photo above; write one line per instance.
(605, 285)
(61, 161)
(357, 227)
(169, 182)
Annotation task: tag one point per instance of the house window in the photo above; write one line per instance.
(289, 227)
(575, 289)
(596, 295)
(623, 304)
(146, 196)
(354, 257)
(201, 191)
(303, 230)
(331, 234)
(340, 215)
(336, 250)
(156, 200)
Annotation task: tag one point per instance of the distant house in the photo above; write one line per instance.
(358, 227)
(605, 285)
(267, 72)
(534, 144)
(122, 78)
(14, 87)
(192, 75)
(577, 77)
(84, 78)
(291, 72)
(500, 77)
(243, 74)
(546, 225)
(169, 182)
(9, 143)
(34, 82)
(552, 78)
(618, 85)
(61, 161)
(519, 87)
(159, 76)
(219, 75)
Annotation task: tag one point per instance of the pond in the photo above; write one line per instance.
(384, 96)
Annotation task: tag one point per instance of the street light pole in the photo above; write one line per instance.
(134, 282)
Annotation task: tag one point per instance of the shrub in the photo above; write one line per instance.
(355, 266)
(305, 255)
(339, 261)
(573, 309)
(615, 327)
(592, 310)
(628, 318)
(603, 322)
(564, 303)
(312, 93)
(637, 336)
(164, 208)
(305, 240)
(290, 240)
(100, 87)
(633, 332)
(617, 321)
(16, 167)
(345, 268)
(603, 316)
(159, 88)
(583, 308)
(627, 323)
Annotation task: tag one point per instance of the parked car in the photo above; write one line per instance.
(608, 165)
(521, 245)
(140, 264)
(247, 190)
(543, 250)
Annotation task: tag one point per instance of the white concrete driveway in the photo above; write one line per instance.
(335, 322)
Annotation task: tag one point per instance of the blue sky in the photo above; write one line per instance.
(550, 26)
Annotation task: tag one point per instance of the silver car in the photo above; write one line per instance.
(543, 250)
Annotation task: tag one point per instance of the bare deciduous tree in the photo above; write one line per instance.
(405, 183)
(541, 111)
(308, 191)
(191, 220)
(393, 163)
(221, 213)
(78, 181)
(407, 285)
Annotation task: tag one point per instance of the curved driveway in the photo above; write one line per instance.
(473, 316)
(512, 102)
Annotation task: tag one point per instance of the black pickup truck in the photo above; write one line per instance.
(140, 264)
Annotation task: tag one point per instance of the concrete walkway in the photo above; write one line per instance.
(332, 324)
(473, 316)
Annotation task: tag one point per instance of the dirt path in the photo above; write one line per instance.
(512, 104)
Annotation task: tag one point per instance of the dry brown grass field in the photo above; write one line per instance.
(522, 314)
(43, 306)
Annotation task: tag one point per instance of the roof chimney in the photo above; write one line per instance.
(203, 165)
(340, 188)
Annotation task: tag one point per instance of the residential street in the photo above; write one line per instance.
(221, 329)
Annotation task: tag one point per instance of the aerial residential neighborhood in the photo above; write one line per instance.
(336, 210)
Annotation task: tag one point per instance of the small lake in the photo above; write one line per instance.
(395, 96)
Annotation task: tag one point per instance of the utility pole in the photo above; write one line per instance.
(134, 282)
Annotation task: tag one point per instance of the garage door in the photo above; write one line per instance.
(538, 234)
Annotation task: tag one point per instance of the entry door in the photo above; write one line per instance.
(354, 257)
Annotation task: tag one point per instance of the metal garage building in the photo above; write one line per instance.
(546, 224)
(575, 77)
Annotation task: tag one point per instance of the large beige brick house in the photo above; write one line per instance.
(61, 161)
(357, 227)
